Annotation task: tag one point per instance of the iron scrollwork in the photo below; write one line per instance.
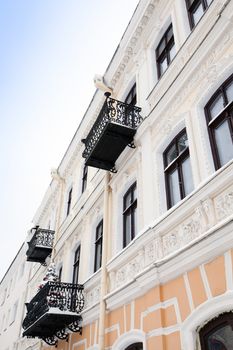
(112, 111)
(66, 297)
(42, 237)
(75, 327)
(50, 341)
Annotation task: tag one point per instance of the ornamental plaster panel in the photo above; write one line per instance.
(224, 204)
(180, 233)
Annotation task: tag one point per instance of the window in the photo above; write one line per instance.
(196, 9)
(69, 202)
(178, 174)
(76, 265)
(60, 274)
(136, 346)
(129, 215)
(98, 246)
(165, 51)
(218, 333)
(131, 98)
(219, 118)
(84, 179)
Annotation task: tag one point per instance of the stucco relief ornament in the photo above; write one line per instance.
(208, 207)
(170, 242)
(224, 205)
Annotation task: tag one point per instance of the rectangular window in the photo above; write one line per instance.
(130, 215)
(84, 179)
(196, 9)
(219, 118)
(76, 265)
(131, 98)
(98, 246)
(178, 174)
(165, 51)
(69, 202)
(60, 274)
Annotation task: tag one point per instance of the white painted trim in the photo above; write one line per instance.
(205, 281)
(204, 312)
(132, 313)
(188, 291)
(131, 337)
(228, 270)
(81, 342)
(113, 328)
(124, 310)
(163, 331)
(162, 305)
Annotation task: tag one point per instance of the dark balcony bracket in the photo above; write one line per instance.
(54, 312)
(40, 246)
(113, 130)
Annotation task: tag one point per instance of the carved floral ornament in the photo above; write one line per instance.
(133, 41)
(208, 213)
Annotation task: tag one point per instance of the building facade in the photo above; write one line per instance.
(146, 230)
(13, 294)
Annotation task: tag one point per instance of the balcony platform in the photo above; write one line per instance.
(40, 246)
(51, 322)
(54, 311)
(113, 130)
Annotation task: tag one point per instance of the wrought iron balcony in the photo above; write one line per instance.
(113, 130)
(40, 246)
(54, 311)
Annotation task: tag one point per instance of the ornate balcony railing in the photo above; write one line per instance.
(54, 311)
(40, 246)
(113, 130)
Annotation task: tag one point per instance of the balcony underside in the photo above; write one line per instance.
(50, 323)
(38, 254)
(113, 140)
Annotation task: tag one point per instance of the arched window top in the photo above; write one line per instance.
(219, 118)
(136, 346)
(218, 333)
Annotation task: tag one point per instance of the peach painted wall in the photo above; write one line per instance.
(159, 312)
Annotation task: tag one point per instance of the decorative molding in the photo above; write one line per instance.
(175, 234)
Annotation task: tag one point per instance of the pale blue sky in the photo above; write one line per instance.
(50, 52)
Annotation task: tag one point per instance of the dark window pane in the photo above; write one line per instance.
(221, 339)
(182, 143)
(129, 215)
(127, 228)
(229, 92)
(98, 246)
(163, 65)
(172, 52)
(165, 51)
(217, 106)
(171, 154)
(224, 143)
(198, 13)
(174, 187)
(76, 265)
(131, 98)
(169, 34)
(127, 200)
(187, 176)
(134, 223)
(161, 47)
